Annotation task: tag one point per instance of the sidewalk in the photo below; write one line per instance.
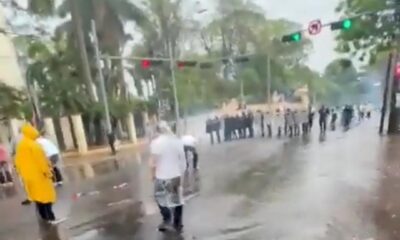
(103, 153)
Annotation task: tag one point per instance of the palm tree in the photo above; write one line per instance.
(109, 15)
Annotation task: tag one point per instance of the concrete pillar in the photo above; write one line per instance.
(130, 123)
(50, 130)
(15, 126)
(77, 126)
(67, 133)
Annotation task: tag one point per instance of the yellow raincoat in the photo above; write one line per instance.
(34, 168)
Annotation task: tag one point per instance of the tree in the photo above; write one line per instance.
(344, 75)
(370, 34)
(12, 102)
(54, 71)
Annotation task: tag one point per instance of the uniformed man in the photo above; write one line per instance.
(289, 131)
(268, 122)
(279, 122)
(259, 123)
(323, 115)
(304, 121)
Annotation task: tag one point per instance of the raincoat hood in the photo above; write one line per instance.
(29, 131)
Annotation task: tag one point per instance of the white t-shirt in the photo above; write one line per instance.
(170, 159)
(49, 147)
(189, 140)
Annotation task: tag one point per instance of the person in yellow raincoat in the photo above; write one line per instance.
(36, 172)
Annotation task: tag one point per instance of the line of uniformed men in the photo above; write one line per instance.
(249, 124)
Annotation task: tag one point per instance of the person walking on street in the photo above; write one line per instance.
(289, 122)
(53, 155)
(259, 123)
(334, 117)
(310, 118)
(189, 145)
(35, 170)
(217, 128)
(168, 164)
(5, 168)
(209, 130)
(279, 122)
(296, 123)
(323, 115)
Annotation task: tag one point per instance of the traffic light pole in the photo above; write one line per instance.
(174, 88)
(386, 92)
(269, 79)
(101, 79)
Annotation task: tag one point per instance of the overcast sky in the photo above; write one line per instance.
(304, 11)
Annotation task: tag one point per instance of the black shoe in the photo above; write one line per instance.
(164, 227)
(178, 228)
(26, 202)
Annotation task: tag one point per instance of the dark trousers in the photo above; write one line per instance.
(5, 174)
(211, 137)
(45, 211)
(218, 136)
(279, 131)
(190, 149)
(111, 142)
(304, 127)
(251, 131)
(167, 213)
(322, 125)
(57, 177)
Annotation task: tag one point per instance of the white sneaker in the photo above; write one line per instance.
(57, 221)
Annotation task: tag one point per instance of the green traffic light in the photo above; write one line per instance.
(296, 37)
(346, 24)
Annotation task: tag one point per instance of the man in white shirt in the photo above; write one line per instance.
(168, 164)
(53, 154)
(189, 146)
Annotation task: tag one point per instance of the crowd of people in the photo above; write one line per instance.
(288, 122)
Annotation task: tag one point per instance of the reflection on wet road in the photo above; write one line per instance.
(344, 185)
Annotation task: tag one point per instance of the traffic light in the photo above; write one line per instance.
(397, 76)
(294, 37)
(147, 63)
(182, 64)
(397, 71)
(345, 24)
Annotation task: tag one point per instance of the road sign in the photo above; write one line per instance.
(314, 27)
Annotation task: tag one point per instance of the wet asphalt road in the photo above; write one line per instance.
(344, 185)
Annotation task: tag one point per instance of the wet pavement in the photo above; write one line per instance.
(344, 185)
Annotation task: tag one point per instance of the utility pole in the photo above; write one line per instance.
(176, 102)
(269, 79)
(101, 80)
(392, 102)
(386, 92)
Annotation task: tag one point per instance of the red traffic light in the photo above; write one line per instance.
(146, 64)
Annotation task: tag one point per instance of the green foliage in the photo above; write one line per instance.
(53, 70)
(369, 34)
(344, 75)
(12, 102)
